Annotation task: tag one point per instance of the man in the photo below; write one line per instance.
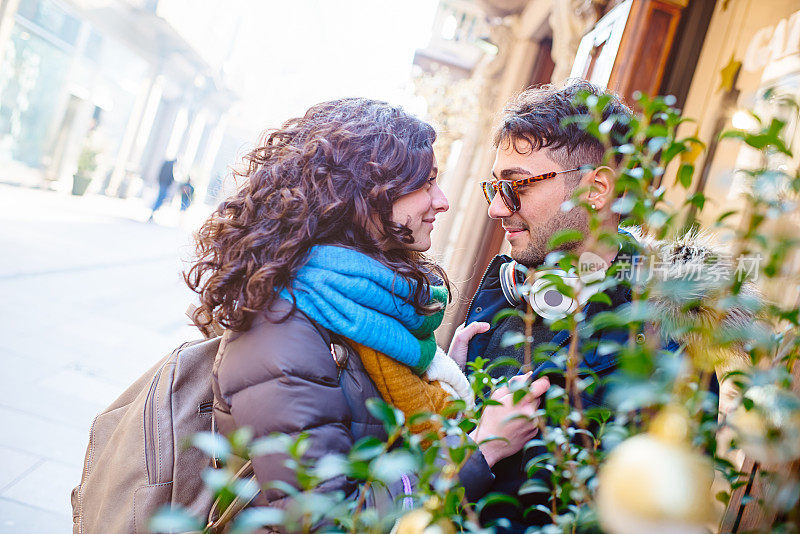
(540, 163)
(166, 177)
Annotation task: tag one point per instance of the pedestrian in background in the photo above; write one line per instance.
(187, 194)
(166, 177)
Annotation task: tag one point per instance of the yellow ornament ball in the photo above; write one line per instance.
(419, 522)
(656, 483)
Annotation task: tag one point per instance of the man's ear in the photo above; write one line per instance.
(601, 187)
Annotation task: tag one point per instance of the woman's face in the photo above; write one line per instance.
(418, 209)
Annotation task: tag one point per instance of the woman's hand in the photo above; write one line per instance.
(514, 425)
(464, 333)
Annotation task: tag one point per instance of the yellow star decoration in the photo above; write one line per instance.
(691, 155)
(728, 74)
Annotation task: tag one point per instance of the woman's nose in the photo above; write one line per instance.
(439, 201)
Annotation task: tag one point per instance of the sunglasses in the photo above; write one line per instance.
(508, 188)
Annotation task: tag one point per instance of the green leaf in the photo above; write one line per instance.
(503, 314)
(685, 173)
(254, 518)
(657, 219)
(420, 417)
(246, 488)
(455, 406)
(240, 438)
(655, 144)
(282, 486)
(535, 463)
(694, 140)
(518, 395)
(272, 444)
(533, 486)
(168, 519)
(673, 150)
(212, 445)
(367, 448)
(330, 466)
(698, 200)
(390, 417)
(495, 498)
(299, 447)
(624, 205)
(725, 215)
(215, 479)
(499, 362)
(388, 468)
(511, 339)
(457, 455)
(601, 297)
(563, 237)
(558, 283)
(626, 149)
(656, 130)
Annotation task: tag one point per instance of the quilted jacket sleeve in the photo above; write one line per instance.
(282, 378)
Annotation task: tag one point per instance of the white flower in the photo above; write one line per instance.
(769, 432)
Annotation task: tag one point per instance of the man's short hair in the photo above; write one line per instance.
(535, 117)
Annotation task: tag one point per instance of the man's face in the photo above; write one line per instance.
(540, 216)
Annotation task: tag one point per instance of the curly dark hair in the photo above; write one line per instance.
(324, 178)
(535, 116)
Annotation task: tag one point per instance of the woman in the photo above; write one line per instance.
(323, 246)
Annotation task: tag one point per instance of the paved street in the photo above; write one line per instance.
(91, 297)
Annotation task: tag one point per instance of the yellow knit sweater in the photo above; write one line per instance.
(402, 388)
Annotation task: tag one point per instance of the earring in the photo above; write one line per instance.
(594, 207)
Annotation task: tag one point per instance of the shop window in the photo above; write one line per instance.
(33, 71)
(51, 17)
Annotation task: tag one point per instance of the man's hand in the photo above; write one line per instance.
(513, 424)
(464, 333)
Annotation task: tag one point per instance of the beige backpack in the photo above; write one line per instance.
(138, 459)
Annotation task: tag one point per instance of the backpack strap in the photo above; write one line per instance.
(216, 520)
(213, 329)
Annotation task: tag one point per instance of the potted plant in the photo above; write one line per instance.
(87, 163)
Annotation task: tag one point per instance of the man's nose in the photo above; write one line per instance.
(439, 200)
(498, 208)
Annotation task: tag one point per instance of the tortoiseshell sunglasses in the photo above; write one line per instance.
(508, 188)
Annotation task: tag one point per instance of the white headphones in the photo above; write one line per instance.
(544, 298)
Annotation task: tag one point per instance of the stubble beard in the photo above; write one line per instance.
(535, 253)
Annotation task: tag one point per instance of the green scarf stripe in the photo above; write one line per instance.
(432, 322)
(427, 350)
(424, 332)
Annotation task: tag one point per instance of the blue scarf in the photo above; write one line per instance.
(358, 297)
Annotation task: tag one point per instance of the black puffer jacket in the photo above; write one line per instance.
(282, 377)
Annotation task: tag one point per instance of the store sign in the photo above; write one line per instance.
(773, 43)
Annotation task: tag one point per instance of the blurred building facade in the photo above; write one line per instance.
(106, 80)
(715, 57)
